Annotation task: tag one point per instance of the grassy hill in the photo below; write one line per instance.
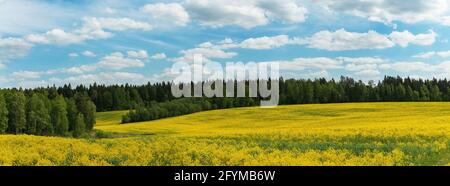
(329, 134)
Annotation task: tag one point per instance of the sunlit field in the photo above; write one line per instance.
(330, 134)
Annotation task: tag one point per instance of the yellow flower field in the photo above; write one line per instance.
(329, 134)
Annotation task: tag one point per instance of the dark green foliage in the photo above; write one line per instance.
(38, 117)
(15, 103)
(59, 116)
(72, 113)
(86, 107)
(44, 111)
(79, 126)
(3, 114)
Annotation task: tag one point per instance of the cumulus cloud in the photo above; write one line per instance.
(389, 11)
(61, 37)
(265, 42)
(159, 56)
(405, 38)
(88, 53)
(140, 54)
(343, 40)
(207, 50)
(247, 14)
(321, 63)
(73, 55)
(115, 24)
(113, 61)
(409, 67)
(426, 55)
(118, 61)
(27, 74)
(92, 28)
(13, 48)
(170, 12)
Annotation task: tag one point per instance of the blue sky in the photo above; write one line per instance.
(113, 41)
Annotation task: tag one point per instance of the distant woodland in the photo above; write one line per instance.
(70, 111)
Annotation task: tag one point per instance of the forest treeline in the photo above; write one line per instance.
(45, 112)
(45, 108)
(306, 91)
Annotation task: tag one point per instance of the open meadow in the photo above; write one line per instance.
(329, 134)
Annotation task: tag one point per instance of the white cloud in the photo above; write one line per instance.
(140, 54)
(362, 60)
(118, 61)
(247, 14)
(159, 56)
(169, 13)
(13, 48)
(73, 55)
(88, 53)
(113, 61)
(57, 37)
(27, 74)
(321, 63)
(405, 38)
(207, 50)
(408, 67)
(426, 55)
(115, 24)
(288, 10)
(389, 11)
(342, 40)
(61, 37)
(265, 42)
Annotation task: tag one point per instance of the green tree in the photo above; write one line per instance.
(3, 114)
(59, 116)
(79, 126)
(38, 118)
(72, 113)
(435, 93)
(424, 93)
(86, 107)
(15, 102)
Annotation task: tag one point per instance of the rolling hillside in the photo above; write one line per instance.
(329, 134)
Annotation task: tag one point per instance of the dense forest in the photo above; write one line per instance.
(45, 112)
(294, 91)
(70, 111)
